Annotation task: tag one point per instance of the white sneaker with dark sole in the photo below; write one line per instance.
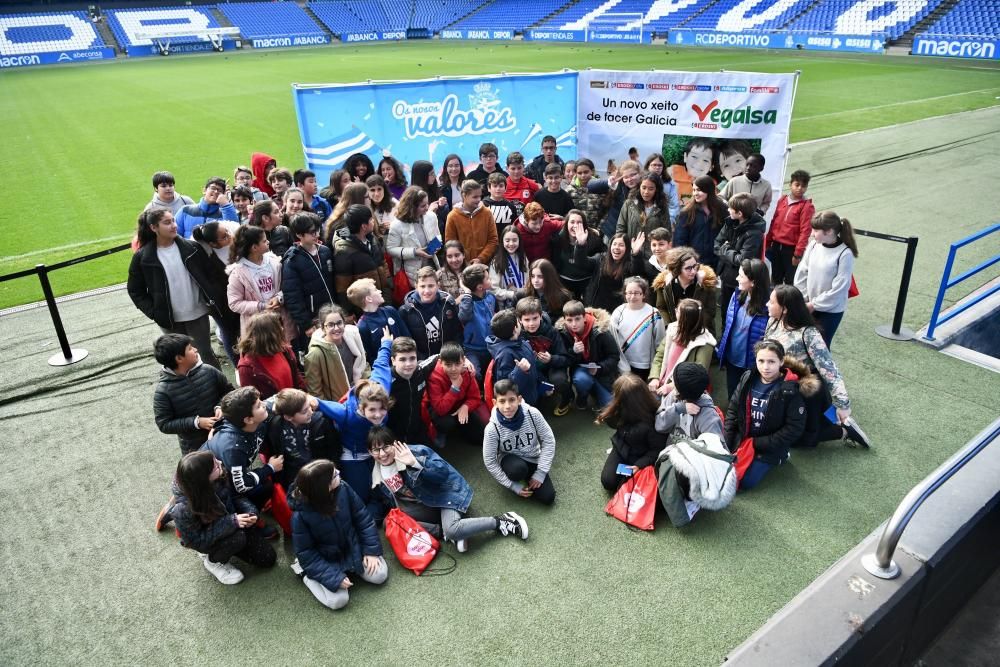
(296, 568)
(512, 523)
(226, 574)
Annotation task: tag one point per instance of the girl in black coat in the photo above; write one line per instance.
(214, 521)
(767, 406)
(636, 442)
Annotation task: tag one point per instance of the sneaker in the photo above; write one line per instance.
(562, 409)
(226, 574)
(461, 546)
(164, 517)
(855, 436)
(580, 402)
(512, 523)
(296, 568)
(440, 440)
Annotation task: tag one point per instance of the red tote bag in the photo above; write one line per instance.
(744, 457)
(414, 547)
(635, 501)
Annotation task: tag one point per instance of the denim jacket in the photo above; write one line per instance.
(433, 481)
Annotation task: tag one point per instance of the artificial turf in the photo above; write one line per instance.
(87, 581)
(80, 142)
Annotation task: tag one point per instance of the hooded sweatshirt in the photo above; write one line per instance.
(476, 231)
(506, 354)
(175, 206)
(258, 161)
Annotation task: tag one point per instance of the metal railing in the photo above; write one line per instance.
(66, 355)
(880, 563)
(947, 282)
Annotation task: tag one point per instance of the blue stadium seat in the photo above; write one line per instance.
(849, 17)
(258, 20)
(969, 18)
(126, 22)
(509, 15)
(47, 32)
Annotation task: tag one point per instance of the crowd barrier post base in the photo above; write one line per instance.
(67, 355)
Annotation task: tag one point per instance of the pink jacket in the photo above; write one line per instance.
(245, 299)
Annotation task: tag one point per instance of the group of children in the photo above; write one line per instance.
(354, 377)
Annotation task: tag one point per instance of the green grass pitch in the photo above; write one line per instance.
(80, 142)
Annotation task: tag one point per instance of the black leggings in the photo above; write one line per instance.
(247, 544)
(517, 469)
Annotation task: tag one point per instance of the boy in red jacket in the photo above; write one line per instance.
(537, 230)
(788, 236)
(452, 402)
(519, 187)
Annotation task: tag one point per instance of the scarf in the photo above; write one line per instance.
(584, 336)
(515, 422)
(514, 275)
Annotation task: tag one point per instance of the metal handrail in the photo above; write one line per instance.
(947, 282)
(880, 563)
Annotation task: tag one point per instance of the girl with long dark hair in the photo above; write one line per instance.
(745, 321)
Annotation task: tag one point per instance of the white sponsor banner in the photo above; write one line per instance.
(704, 123)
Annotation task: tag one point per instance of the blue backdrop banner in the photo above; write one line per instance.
(778, 40)
(428, 119)
(955, 47)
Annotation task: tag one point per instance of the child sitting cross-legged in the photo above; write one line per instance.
(452, 402)
(431, 491)
(519, 446)
(635, 442)
(333, 535)
(688, 410)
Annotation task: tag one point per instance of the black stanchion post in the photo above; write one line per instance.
(898, 331)
(67, 356)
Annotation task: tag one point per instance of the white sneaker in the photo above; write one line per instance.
(512, 523)
(296, 568)
(224, 572)
(461, 546)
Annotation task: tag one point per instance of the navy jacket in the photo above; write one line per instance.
(300, 445)
(699, 236)
(370, 327)
(330, 546)
(405, 417)
(238, 450)
(757, 326)
(179, 399)
(433, 481)
(442, 327)
(306, 284)
(506, 354)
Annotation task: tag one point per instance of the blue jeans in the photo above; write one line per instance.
(586, 383)
(754, 474)
(827, 323)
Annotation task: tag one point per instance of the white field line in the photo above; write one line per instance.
(885, 127)
(12, 258)
(894, 104)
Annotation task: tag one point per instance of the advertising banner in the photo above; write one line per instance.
(984, 49)
(182, 47)
(778, 40)
(602, 35)
(703, 123)
(456, 33)
(289, 40)
(52, 58)
(373, 36)
(431, 118)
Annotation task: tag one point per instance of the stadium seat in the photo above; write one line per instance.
(509, 15)
(125, 23)
(969, 18)
(258, 20)
(48, 32)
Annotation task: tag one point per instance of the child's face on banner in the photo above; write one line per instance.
(698, 161)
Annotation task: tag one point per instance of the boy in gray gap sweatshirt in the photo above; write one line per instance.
(519, 445)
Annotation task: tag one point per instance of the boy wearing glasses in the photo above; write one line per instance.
(307, 277)
(488, 154)
(536, 170)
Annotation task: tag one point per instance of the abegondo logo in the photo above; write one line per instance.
(445, 119)
(727, 117)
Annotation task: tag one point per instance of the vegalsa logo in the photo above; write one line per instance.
(419, 544)
(712, 116)
(486, 114)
